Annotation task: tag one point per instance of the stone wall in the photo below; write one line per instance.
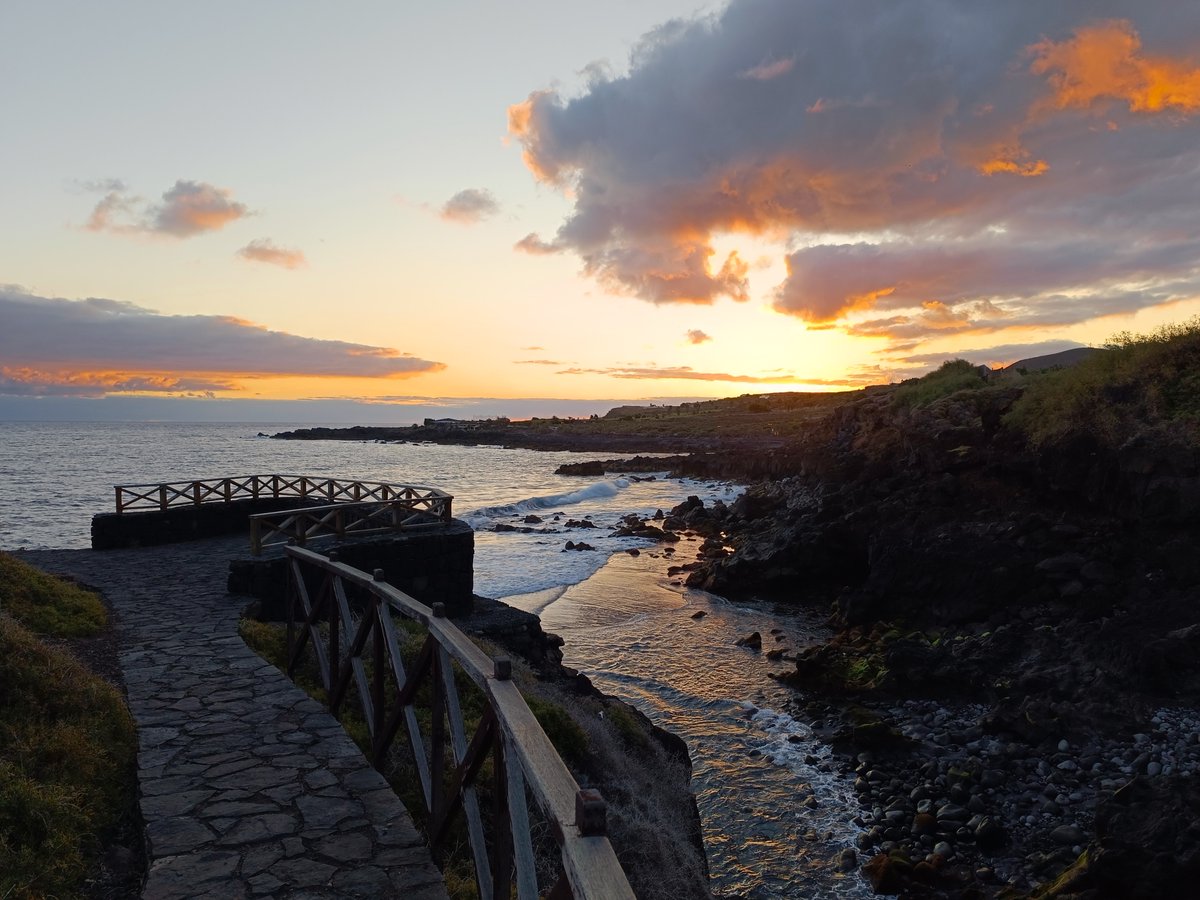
(433, 566)
(111, 531)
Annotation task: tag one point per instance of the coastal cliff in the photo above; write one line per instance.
(1016, 665)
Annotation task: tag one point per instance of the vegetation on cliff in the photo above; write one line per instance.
(1146, 384)
(67, 741)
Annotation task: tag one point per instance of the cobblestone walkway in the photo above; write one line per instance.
(248, 787)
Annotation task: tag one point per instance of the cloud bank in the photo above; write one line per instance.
(94, 347)
(934, 166)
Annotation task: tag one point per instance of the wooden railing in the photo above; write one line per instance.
(448, 764)
(134, 497)
(340, 520)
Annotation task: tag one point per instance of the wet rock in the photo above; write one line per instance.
(887, 874)
(753, 641)
(1068, 835)
(990, 834)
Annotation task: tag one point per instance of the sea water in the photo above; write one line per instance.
(627, 623)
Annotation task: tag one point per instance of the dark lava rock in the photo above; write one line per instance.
(888, 874)
(1148, 837)
(582, 468)
(753, 641)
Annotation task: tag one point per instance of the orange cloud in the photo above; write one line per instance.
(523, 125)
(188, 208)
(1104, 63)
(265, 250)
(1024, 168)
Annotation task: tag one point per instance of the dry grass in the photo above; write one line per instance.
(67, 749)
(48, 605)
(1144, 384)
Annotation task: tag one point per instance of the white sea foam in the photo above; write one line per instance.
(599, 490)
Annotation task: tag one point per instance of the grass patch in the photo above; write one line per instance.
(67, 776)
(1144, 383)
(566, 736)
(48, 605)
(952, 376)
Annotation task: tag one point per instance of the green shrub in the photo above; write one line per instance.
(67, 751)
(624, 720)
(48, 605)
(566, 736)
(951, 377)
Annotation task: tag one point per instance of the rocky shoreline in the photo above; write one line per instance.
(1014, 676)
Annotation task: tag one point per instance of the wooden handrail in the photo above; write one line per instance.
(522, 755)
(353, 519)
(167, 495)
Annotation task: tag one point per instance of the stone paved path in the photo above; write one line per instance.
(248, 787)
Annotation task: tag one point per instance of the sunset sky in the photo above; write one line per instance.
(423, 207)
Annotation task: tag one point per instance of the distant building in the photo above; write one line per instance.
(464, 424)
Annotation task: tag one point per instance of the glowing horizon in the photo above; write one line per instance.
(651, 200)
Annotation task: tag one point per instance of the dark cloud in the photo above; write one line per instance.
(87, 347)
(998, 164)
(470, 206)
(188, 208)
(27, 382)
(265, 250)
(696, 336)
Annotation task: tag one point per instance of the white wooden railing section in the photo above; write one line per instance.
(347, 508)
(166, 495)
(345, 636)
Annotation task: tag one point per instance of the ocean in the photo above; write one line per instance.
(627, 624)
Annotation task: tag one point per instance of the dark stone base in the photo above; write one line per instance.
(433, 566)
(149, 528)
